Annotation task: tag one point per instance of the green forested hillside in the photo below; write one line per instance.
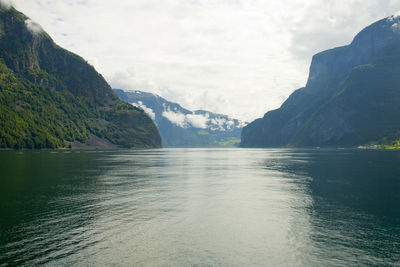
(51, 98)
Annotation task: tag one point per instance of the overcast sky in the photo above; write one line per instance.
(236, 57)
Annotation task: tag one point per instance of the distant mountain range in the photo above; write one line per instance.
(52, 98)
(352, 97)
(180, 127)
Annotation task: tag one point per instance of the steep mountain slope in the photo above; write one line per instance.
(51, 98)
(180, 127)
(351, 97)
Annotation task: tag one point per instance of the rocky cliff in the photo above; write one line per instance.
(351, 96)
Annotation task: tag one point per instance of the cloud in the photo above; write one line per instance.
(335, 24)
(33, 27)
(201, 121)
(186, 120)
(397, 14)
(230, 124)
(219, 124)
(147, 110)
(5, 4)
(239, 58)
(176, 118)
(396, 26)
(197, 120)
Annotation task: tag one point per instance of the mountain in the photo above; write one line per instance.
(351, 97)
(52, 98)
(180, 127)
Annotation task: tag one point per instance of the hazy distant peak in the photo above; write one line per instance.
(181, 127)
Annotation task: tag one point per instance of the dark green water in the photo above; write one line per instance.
(200, 207)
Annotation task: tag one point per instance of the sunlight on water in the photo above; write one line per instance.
(204, 207)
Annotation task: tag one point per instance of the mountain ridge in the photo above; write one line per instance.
(52, 98)
(303, 120)
(181, 127)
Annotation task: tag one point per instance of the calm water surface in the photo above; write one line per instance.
(200, 207)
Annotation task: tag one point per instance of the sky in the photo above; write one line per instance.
(235, 57)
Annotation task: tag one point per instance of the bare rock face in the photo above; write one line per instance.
(349, 99)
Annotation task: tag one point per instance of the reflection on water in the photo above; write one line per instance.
(204, 207)
(355, 211)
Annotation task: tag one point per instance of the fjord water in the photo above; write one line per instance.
(200, 207)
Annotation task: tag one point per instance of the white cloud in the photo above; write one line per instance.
(397, 14)
(218, 124)
(230, 124)
(33, 27)
(5, 4)
(237, 57)
(176, 118)
(197, 120)
(147, 110)
(242, 124)
(201, 121)
(186, 120)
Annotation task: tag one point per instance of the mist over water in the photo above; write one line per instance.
(200, 207)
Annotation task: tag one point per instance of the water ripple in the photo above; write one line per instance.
(204, 207)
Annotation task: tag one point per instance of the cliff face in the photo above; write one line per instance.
(50, 97)
(349, 99)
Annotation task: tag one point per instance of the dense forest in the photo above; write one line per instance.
(52, 98)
